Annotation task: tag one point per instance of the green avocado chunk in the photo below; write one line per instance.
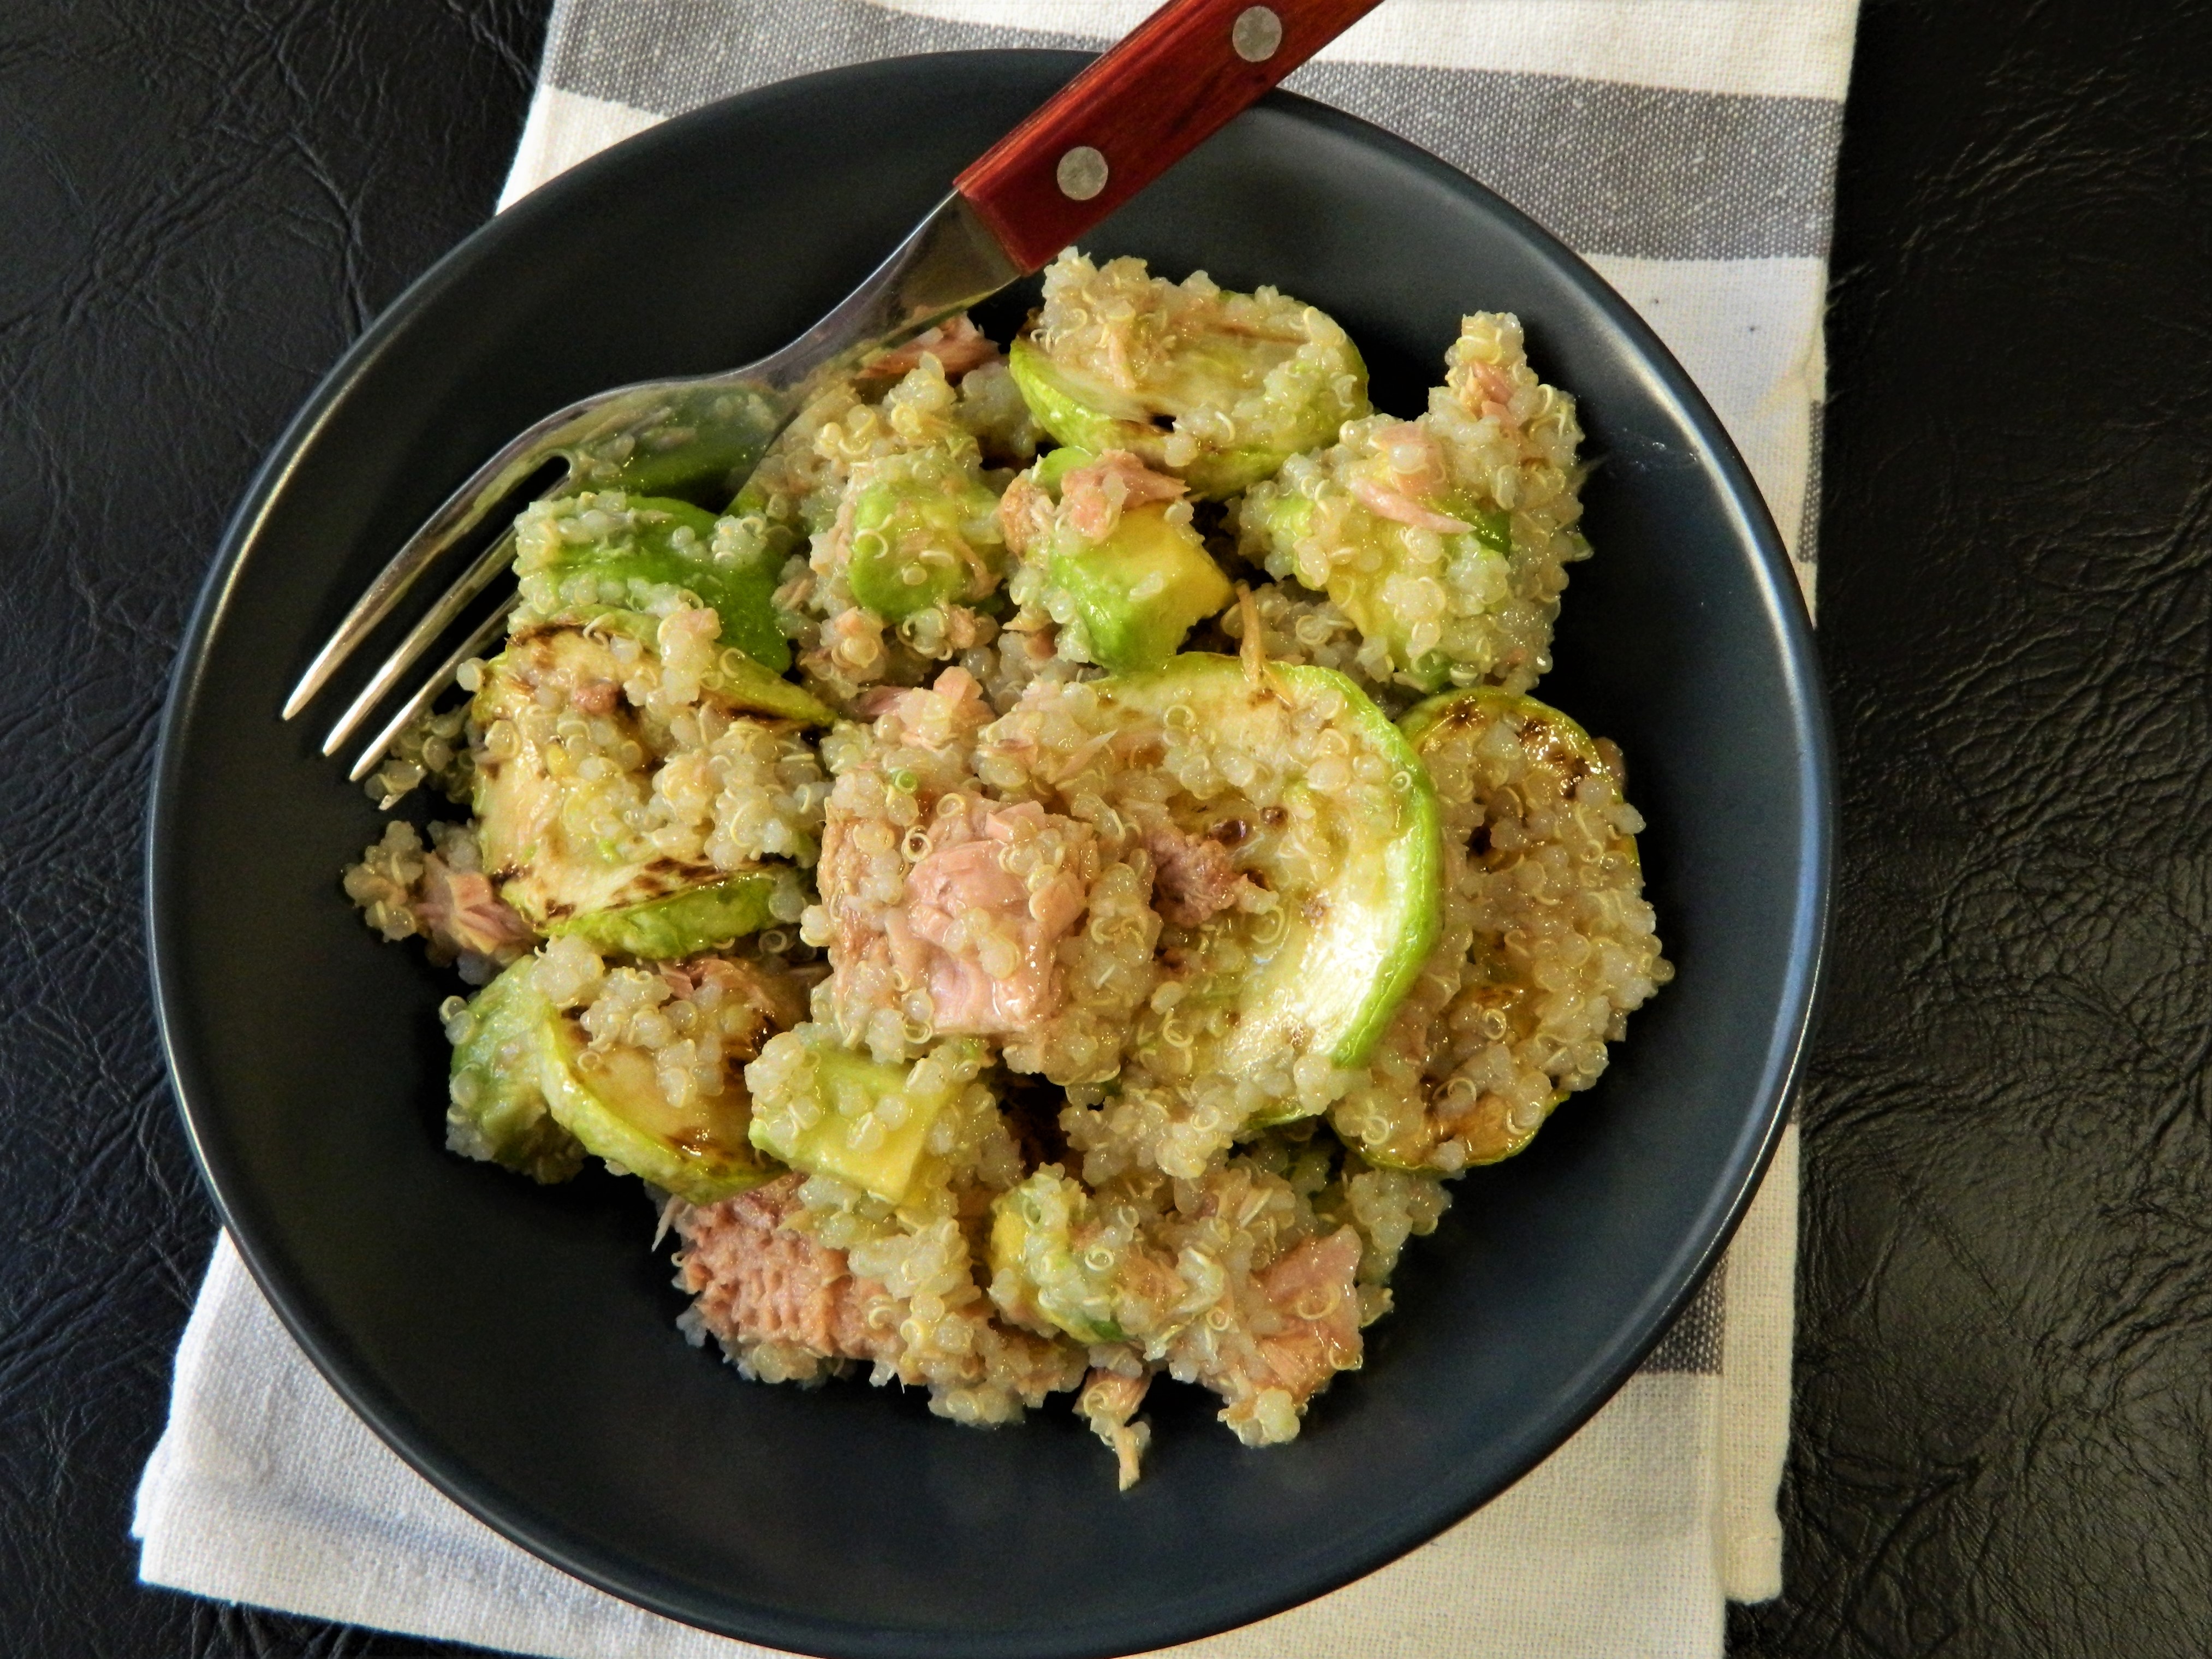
(613, 1105)
(684, 924)
(498, 1111)
(925, 532)
(1039, 1275)
(1370, 560)
(580, 555)
(821, 1108)
(1134, 595)
(1353, 869)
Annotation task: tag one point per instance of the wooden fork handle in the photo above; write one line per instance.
(1166, 88)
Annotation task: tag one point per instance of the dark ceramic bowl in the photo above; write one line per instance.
(518, 1344)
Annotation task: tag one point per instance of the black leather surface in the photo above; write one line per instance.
(2004, 1394)
(2004, 1365)
(201, 201)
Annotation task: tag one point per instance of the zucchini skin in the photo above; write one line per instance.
(1377, 966)
(699, 1172)
(499, 1112)
(705, 918)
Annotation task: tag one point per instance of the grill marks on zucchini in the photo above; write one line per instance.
(593, 788)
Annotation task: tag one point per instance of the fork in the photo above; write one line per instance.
(1166, 88)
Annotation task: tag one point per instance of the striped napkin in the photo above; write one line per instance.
(1686, 148)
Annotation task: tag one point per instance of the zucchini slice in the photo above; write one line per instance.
(1217, 387)
(611, 1101)
(1352, 868)
(556, 841)
(1448, 730)
(498, 1111)
(1292, 835)
(1547, 944)
(684, 924)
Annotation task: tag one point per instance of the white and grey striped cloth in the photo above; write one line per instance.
(1686, 148)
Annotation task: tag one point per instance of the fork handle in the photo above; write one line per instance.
(1168, 86)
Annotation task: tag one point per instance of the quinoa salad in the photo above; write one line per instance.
(1049, 886)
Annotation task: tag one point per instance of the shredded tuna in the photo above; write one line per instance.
(1401, 508)
(596, 697)
(1301, 1328)
(756, 1280)
(1312, 1289)
(965, 629)
(957, 345)
(1025, 514)
(457, 911)
(1259, 673)
(1414, 471)
(1094, 497)
(1484, 389)
(777, 994)
(1193, 879)
(1107, 1402)
(973, 931)
(932, 715)
(1110, 1395)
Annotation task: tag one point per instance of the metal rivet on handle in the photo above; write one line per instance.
(1082, 173)
(1257, 34)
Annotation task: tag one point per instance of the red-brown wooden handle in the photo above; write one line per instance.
(1171, 85)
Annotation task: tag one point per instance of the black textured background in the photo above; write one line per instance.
(2004, 1392)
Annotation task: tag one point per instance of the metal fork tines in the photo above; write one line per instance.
(478, 642)
(697, 437)
(427, 632)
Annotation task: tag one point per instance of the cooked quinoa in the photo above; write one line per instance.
(1444, 539)
(998, 883)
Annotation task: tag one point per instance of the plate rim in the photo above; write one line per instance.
(1422, 1517)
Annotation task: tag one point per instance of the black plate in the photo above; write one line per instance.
(516, 1345)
